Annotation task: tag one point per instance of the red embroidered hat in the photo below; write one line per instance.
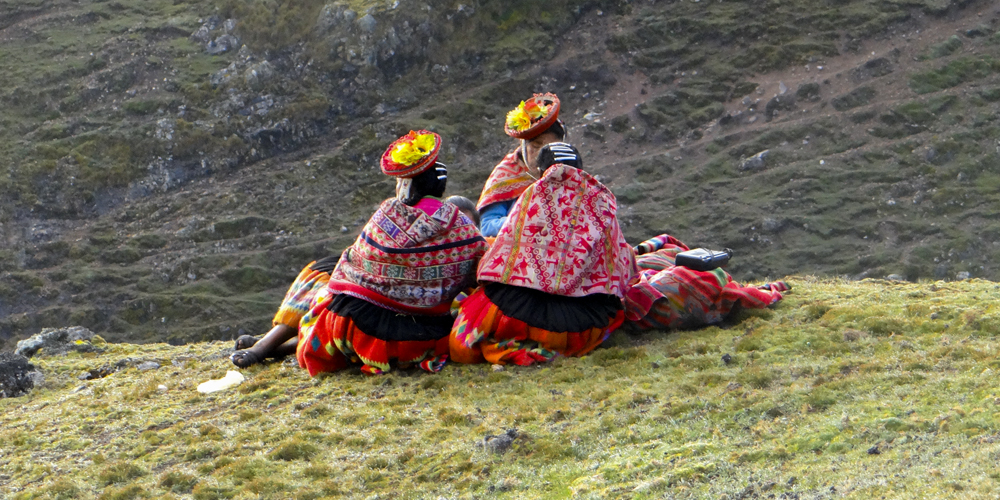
(411, 154)
(532, 117)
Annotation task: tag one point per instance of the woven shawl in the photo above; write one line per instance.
(410, 261)
(507, 181)
(562, 237)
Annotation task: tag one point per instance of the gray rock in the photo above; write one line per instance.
(874, 68)
(57, 341)
(730, 119)
(772, 225)
(222, 44)
(335, 15)
(367, 23)
(896, 277)
(17, 375)
(756, 162)
(258, 75)
(148, 365)
(499, 444)
(202, 36)
(229, 25)
(37, 378)
(808, 92)
(223, 76)
(782, 102)
(963, 275)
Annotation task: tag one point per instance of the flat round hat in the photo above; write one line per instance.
(411, 154)
(532, 117)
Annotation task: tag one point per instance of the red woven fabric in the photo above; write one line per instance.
(669, 296)
(483, 333)
(507, 181)
(562, 237)
(333, 343)
(410, 261)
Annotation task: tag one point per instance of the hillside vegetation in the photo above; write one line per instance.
(846, 389)
(159, 188)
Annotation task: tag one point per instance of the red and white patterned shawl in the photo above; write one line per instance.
(409, 260)
(507, 181)
(562, 237)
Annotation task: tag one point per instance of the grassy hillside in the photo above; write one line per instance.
(155, 191)
(846, 389)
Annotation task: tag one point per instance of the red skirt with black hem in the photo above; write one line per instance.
(329, 342)
(483, 333)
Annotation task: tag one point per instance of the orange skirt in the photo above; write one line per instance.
(483, 333)
(328, 343)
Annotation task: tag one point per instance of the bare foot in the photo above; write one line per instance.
(246, 342)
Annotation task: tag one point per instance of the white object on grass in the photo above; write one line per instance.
(232, 379)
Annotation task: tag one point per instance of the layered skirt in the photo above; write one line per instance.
(346, 331)
(503, 324)
(338, 330)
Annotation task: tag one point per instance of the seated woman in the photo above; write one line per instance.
(554, 278)
(536, 123)
(670, 296)
(388, 297)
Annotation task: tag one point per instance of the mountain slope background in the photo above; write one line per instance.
(169, 166)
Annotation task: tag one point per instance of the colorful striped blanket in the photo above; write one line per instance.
(669, 296)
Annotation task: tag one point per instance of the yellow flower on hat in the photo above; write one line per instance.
(535, 109)
(517, 119)
(412, 148)
(521, 117)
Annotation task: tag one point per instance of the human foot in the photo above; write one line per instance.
(246, 358)
(246, 342)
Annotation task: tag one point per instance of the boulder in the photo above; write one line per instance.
(222, 44)
(258, 75)
(783, 102)
(808, 92)
(17, 375)
(202, 36)
(55, 341)
(756, 162)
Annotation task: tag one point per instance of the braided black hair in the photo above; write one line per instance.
(430, 182)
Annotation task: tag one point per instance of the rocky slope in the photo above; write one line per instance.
(171, 165)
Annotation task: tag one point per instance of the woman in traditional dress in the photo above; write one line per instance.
(554, 278)
(670, 296)
(387, 299)
(535, 123)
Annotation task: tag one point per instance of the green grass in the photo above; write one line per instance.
(837, 369)
(953, 73)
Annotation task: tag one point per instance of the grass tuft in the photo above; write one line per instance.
(120, 472)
